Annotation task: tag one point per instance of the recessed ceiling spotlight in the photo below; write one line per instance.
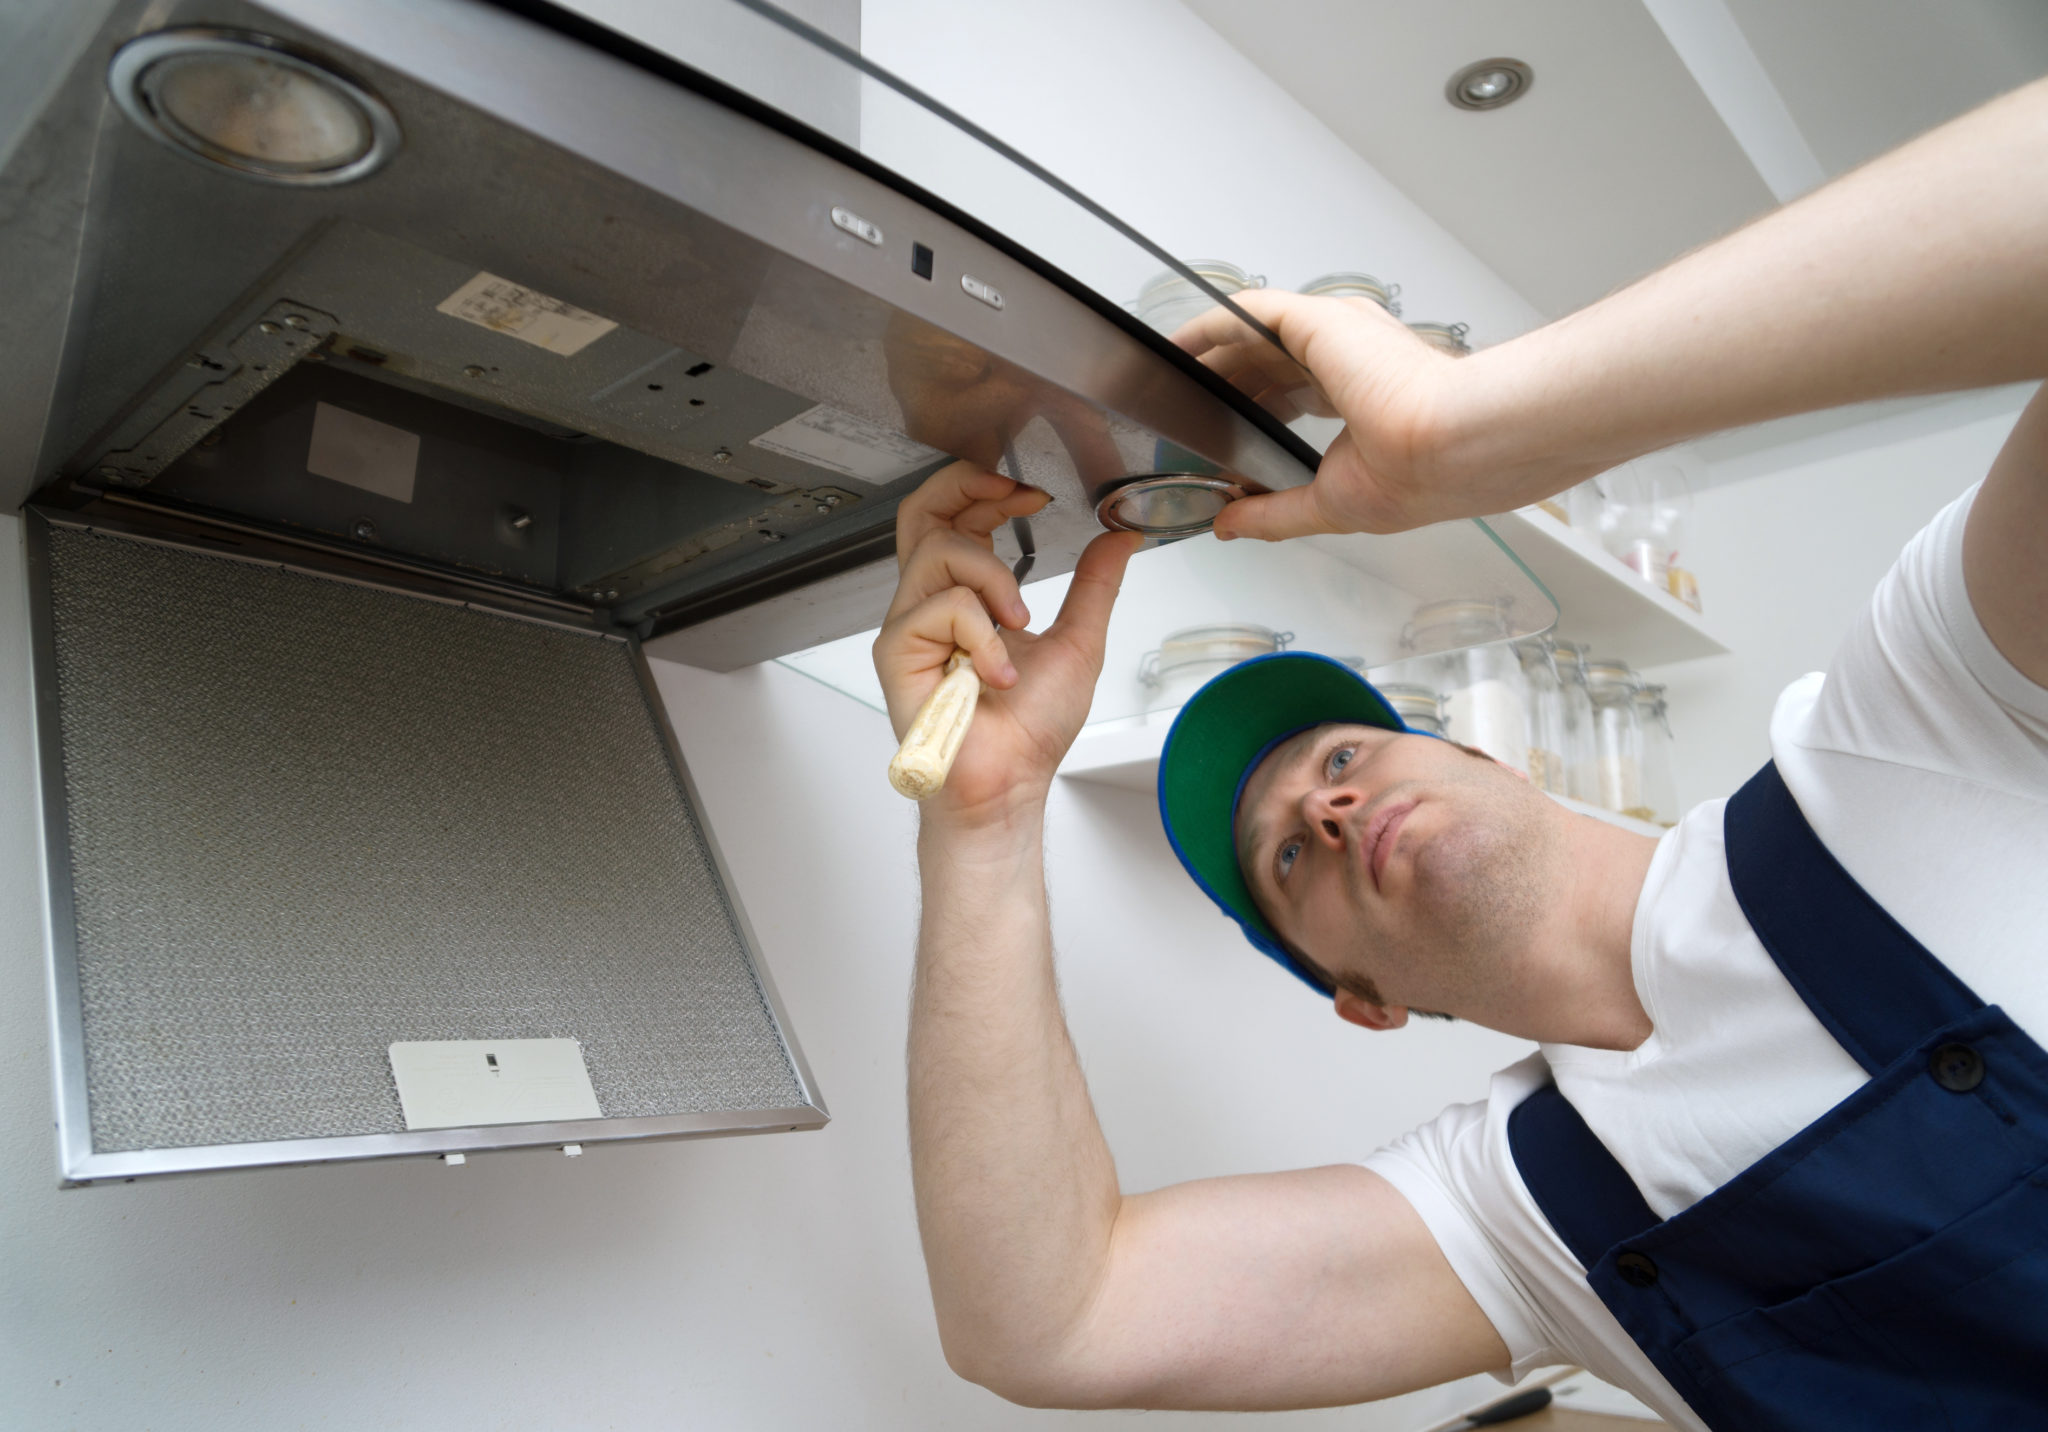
(253, 104)
(1489, 84)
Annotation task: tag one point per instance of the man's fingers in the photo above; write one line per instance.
(1219, 327)
(982, 519)
(912, 650)
(946, 560)
(1091, 596)
(1253, 360)
(1293, 512)
(956, 618)
(942, 498)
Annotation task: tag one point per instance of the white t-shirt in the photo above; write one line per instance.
(1921, 761)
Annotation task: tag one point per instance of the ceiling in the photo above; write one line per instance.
(1617, 159)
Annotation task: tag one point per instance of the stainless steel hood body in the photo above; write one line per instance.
(698, 221)
(604, 346)
(355, 507)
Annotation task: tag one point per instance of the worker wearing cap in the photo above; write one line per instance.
(1782, 1159)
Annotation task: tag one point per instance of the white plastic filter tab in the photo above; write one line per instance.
(460, 1083)
(526, 314)
(846, 444)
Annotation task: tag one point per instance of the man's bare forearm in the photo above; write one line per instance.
(1016, 1190)
(1925, 271)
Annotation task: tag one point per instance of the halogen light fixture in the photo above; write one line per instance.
(1489, 84)
(1166, 505)
(258, 106)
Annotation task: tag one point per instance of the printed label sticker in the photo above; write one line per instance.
(852, 446)
(526, 314)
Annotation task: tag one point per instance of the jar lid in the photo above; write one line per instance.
(1225, 641)
(1224, 277)
(1409, 699)
(1222, 632)
(1354, 285)
(1485, 619)
(1612, 676)
(1450, 337)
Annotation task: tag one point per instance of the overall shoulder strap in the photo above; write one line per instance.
(1586, 1195)
(1874, 987)
(1877, 989)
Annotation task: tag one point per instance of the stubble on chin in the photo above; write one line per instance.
(1481, 888)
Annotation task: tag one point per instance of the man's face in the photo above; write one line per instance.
(1408, 868)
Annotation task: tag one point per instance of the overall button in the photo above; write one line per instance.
(1957, 1068)
(1636, 1270)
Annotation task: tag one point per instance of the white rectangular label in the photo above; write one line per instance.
(363, 452)
(526, 314)
(457, 1083)
(846, 444)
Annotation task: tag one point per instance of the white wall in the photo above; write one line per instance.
(762, 1282)
(1145, 109)
(1788, 559)
(765, 1282)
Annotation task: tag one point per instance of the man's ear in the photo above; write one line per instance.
(1356, 1009)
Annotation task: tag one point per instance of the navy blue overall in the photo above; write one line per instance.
(1887, 1267)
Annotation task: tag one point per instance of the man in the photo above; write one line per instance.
(1761, 1175)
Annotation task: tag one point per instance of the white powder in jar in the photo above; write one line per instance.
(1491, 715)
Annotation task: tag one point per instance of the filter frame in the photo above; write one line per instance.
(79, 1163)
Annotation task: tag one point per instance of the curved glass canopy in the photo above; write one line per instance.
(1351, 597)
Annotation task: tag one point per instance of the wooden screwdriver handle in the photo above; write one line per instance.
(933, 740)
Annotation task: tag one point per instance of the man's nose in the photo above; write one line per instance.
(1327, 808)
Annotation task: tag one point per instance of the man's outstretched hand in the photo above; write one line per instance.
(954, 592)
(1382, 474)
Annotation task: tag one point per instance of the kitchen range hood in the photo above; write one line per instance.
(386, 380)
(566, 320)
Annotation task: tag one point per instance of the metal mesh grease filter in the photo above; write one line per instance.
(308, 819)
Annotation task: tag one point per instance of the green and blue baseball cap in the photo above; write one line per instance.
(1218, 740)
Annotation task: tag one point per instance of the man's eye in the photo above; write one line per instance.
(1340, 758)
(1283, 858)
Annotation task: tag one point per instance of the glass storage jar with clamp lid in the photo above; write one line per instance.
(1419, 706)
(1617, 739)
(1569, 657)
(1185, 659)
(1660, 776)
(1547, 716)
(1461, 649)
